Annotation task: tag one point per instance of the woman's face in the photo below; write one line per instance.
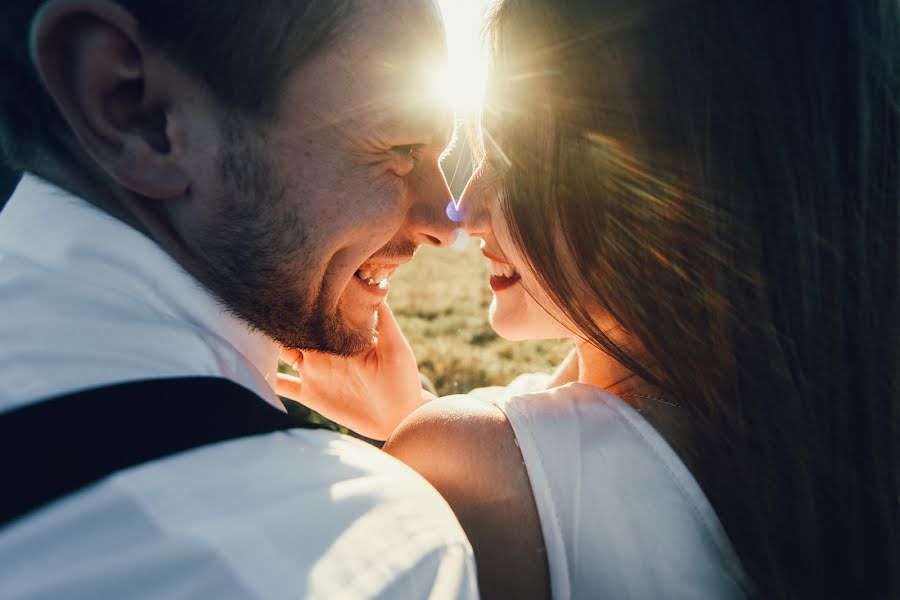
(517, 311)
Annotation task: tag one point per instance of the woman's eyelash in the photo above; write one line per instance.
(497, 166)
(488, 173)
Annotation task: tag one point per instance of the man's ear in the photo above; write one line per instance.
(92, 60)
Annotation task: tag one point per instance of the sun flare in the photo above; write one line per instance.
(458, 89)
(460, 82)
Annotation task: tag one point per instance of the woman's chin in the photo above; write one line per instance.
(509, 329)
(524, 325)
(513, 337)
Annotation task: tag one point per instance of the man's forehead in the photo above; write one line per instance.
(393, 30)
(398, 51)
(380, 70)
(430, 119)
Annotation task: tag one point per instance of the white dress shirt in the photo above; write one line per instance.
(87, 301)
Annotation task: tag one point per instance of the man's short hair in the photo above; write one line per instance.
(244, 51)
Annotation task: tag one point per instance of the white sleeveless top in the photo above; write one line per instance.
(621, 515)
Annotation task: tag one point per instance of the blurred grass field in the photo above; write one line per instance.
(441, 302)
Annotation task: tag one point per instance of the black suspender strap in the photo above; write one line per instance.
(60, 445)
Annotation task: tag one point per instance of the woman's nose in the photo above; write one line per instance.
(471, 211)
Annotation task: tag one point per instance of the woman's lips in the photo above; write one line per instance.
(503, 272)
(494, 258)
(500, 283)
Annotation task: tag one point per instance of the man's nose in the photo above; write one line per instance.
(428, 216)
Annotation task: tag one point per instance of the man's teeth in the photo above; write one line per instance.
(377, 277)
(502, 269)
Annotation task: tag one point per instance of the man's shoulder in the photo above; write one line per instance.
(338, 494)
(302, 512)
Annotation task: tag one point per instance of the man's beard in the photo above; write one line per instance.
(253, 253)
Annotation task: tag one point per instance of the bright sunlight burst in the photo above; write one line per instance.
(461, 81)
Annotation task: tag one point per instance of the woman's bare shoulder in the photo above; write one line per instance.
(467, 449)
(466, 425)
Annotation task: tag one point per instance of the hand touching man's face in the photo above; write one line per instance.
(299, 226)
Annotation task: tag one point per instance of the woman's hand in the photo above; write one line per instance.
(369, 393)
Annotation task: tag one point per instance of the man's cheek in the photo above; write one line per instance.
(382, 225)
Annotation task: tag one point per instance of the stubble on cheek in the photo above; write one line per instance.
(255, 254)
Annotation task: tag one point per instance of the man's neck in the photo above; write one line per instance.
(82, 180)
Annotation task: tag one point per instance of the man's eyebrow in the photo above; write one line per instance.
(437, 125)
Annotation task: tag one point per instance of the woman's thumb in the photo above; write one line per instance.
(288, 386)
(390, 337)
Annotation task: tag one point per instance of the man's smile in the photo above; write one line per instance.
(380, 267)
(376, 275)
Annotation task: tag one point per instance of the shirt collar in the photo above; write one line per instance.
(64, 233)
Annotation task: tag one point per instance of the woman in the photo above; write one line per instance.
(706, 193)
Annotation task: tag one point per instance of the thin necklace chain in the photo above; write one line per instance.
(647, 397)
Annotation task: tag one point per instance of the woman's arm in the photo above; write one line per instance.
(467, 450)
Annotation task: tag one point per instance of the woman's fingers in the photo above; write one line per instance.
(369, 393)
(292, 357)
(390, 338)
(289, 387)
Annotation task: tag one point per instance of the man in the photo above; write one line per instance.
(8, 181)
(207, 182)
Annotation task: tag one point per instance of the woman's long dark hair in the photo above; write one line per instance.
(727, 176)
